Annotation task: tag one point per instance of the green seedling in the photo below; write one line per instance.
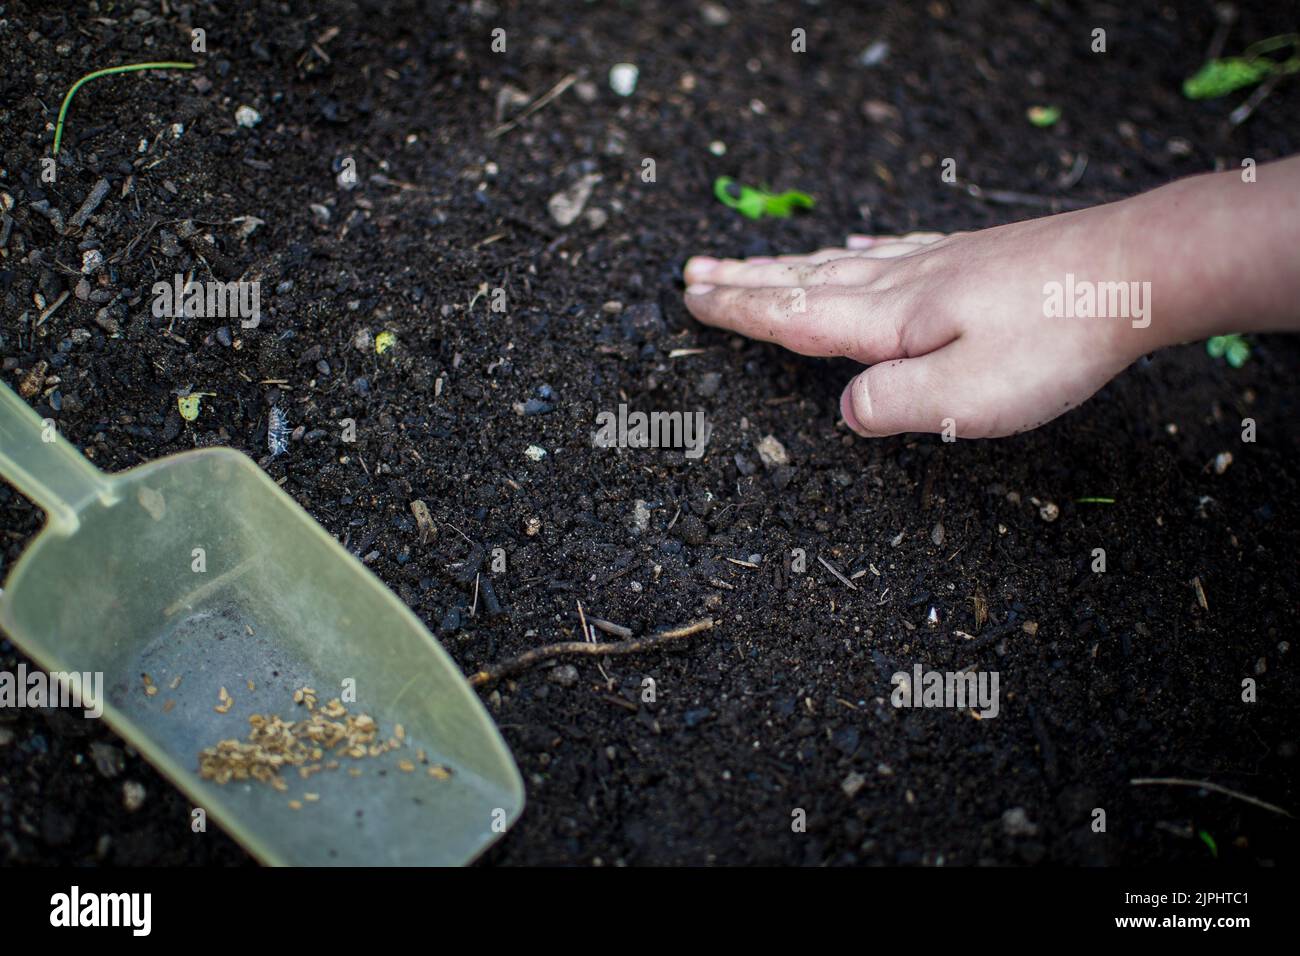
(1229, 74)
(1043, 116)
(757, 203)
(135, 67)
(1095, 501)
(1209, 841)
(1234, 348)
(188, 404)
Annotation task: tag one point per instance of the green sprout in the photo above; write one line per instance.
(1234, 348)
(63, 110)
(1229, 74)
(1209, 841)
(1043, 116)
(756, 203)
(1094, 501)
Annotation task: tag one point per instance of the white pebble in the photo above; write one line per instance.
(623, 77)
(92, 260)
(247, 117)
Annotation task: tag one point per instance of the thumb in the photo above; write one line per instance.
(904, 395)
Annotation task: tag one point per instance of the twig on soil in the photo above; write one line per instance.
(527, 659)
(1214, 787)
(609, 627)
(833, 570)
(1007, 197)
(586, 631)
(536, 105)
(54, 307)
(1247, 109)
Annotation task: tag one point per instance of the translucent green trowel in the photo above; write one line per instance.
(205, 596)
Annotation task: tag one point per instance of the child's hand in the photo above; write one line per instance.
(953, 327)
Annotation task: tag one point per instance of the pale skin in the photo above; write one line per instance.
(952, 327)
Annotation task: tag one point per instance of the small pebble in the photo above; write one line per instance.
(535, 406)
(566, 675)
(247, 117)
(108, 759)
(715, 14)
(132, 796)
(623, 77)
(1222, 461)
(1015, 822)
(875, 54)
(772, 452)
(852, 784)
(1049, 512)
(92, 260)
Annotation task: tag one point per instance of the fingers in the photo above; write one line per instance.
(797, 270)
(890, 250)
(824, 321)
(847, 269)
(909, 395)
(859, 241)
(741, 271)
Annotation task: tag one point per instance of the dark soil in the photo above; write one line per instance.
(785, 700)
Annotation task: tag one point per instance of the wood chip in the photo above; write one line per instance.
(1200, 593)
(423, 520)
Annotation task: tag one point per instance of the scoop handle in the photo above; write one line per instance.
(44, 466)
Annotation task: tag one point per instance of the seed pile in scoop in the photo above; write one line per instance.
(275, 745)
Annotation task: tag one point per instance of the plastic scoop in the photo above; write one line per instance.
(205, 596)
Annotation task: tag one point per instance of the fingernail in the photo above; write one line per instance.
(860, 242)
(698, 289)
(701, 265)
(846, 412)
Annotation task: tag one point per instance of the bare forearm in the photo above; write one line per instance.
(1222, 253)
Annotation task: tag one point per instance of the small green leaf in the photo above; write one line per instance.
(1234, 348)
(1209, 841)
(756, 203)
(1043, 116)
(1238, 352)
(1221, 77)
